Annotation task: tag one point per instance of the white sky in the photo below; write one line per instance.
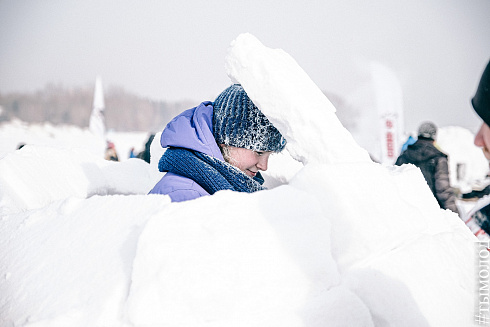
(174, 50)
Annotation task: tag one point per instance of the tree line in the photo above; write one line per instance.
(56, 104)
(124, 111)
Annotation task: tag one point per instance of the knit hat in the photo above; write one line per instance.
(239, 123)
(481, 100)
(428, 131)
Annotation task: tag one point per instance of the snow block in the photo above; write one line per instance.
(395, 248)
(285, 94)
(69, 263)
(205, 264)
(38, 175)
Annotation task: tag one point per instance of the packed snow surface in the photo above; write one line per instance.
(337, 240)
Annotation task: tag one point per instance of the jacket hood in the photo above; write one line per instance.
(422, 150)
(193, 130)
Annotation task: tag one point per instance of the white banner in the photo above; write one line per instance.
(389, 105)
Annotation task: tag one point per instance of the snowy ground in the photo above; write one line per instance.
(338, 240)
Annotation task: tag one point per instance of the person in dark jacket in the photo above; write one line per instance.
(481, 105)
(433, 164)
(220, 145)
(146, 154)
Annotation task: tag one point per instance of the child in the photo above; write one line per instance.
(110, 152)
(220, 145)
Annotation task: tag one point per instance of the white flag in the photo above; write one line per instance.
(97, 121)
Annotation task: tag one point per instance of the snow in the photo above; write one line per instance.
(338, 240)
(276, 91)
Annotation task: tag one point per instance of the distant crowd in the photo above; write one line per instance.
(111, 153)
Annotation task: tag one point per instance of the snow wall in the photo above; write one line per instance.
(340, 240)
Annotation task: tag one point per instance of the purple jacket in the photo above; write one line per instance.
(192, 129)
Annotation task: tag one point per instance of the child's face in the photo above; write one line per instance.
(482, 139)
(248, 161)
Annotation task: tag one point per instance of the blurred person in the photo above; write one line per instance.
(145, 154)
(110, 152)
(433, 163)
(481, 104)
(220, 145)
(410, 140)
(132, 154)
